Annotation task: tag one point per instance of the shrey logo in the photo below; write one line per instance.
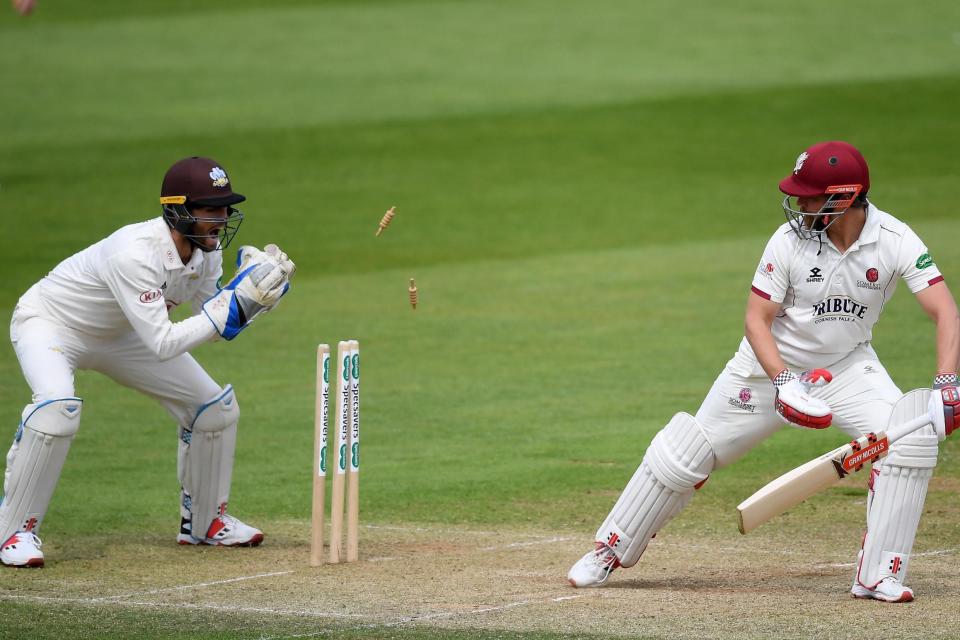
(872, 275)
(745, 395)
(878, 448)
(151, 296)
(219, 177)
(800, 160)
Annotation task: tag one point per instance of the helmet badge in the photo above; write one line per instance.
(800, 160)
(219, 177)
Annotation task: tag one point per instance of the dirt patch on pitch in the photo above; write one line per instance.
(688, 585)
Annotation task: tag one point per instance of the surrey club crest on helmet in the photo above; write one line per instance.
(219, 177)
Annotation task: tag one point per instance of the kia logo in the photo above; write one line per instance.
(151, 296)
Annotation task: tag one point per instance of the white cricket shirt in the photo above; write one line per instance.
(831, 301)
(131, 280)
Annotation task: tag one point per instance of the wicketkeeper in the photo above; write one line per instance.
(107, 308)
(806, 359)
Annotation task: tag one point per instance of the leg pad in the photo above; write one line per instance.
(34, 463)
(678, 459)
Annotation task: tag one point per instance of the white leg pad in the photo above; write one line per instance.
(34, 463)
(894, 510)
(206, 459)
(677, 461)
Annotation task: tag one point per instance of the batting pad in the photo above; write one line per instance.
(678, 459)
(34, 463)
(206, 466)
(899, 492)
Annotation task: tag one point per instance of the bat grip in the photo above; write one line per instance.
(907, 428)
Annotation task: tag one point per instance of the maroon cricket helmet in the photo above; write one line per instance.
(202, 181)
(825, 165)
(199, 182)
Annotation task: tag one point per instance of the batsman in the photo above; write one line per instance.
(806, 359)
(107, 308)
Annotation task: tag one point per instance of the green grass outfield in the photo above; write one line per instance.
(584, 190)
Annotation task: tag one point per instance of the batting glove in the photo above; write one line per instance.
(945, 404)
(793, 401)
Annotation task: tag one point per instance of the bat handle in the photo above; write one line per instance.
(907, 428)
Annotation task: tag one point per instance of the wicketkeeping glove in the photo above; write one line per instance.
(263, 277)
(794, 403)
(945, 404)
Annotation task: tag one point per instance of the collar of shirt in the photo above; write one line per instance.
(168, 250)
(868, 235)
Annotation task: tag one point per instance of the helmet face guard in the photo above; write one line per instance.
(181, 219)
(812, 225)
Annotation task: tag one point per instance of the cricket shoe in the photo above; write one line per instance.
(22, 549)
(224, 531)
(888, 590)
(593, 569)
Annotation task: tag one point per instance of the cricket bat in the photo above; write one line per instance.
(808, 479)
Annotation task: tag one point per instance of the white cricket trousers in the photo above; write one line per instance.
(738, 412)
(50, 353)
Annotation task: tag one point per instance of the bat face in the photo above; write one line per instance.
(909, 413)
(868, 448)
(795, 486)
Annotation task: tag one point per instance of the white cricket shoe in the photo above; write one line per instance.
(888, 590)
(224, 531)
(22, 549)
(593, 569)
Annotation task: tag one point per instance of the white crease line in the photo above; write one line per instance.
(186, 605)
(940, 552)
(191, 586)
(444, 615)
(431, 530)
(296, 613)
(531, 543)
(925, 554)
(505, 607)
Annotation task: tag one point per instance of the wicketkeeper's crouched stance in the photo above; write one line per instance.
(818, 291)
(106, 308)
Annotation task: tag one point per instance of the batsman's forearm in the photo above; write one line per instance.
(764, 347)
(948, 343)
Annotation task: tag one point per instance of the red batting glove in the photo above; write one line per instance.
(795, 405)
(946, 400)
(815, 378)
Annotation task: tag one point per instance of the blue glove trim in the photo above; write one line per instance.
(237, 278)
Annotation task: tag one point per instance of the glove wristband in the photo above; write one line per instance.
(783, 378)
(944, 380)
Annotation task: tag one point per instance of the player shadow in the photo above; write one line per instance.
(673, 583)
(723, 581)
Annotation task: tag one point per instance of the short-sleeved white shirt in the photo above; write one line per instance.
(131, 280)
(831, 301)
